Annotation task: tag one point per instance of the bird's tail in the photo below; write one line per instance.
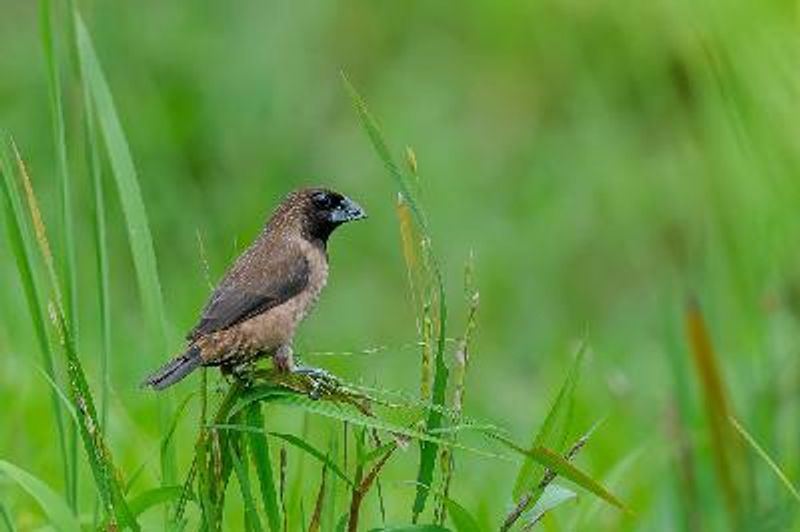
(175, 370)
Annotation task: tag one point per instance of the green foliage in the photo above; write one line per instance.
(553, 432)
(263, 464)
(602, 159)
(54, 506)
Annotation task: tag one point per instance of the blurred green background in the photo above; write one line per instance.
(603, 161)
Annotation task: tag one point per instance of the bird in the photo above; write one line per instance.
(270, 288)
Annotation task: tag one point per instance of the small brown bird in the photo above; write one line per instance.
(271, 287)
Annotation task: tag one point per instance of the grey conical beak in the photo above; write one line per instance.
(348, 211)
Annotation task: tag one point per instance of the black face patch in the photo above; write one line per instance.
(326, 201)
(327, 210)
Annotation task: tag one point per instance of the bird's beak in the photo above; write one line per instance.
(348, 211)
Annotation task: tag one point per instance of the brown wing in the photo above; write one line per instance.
(263, 277)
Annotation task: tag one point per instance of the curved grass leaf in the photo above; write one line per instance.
(553, 432)
(563, 468)
(154, 497)
(99, 457)
(348, 413)
(130, 196)
(293, 440)
(552, 497)
(5, 518)
(124, 172)
(56, 509)
(19, 239)
(461, 518)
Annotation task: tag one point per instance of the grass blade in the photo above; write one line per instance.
(56, 509)
(552, 497)
(460, 516)
(130, 195)
(18, 237)
(100, 460)
(259, 451)
(100, 245)
(140, 238)
(67, 225)
(154, 497)
(316, 517)
(293, 440)
(553, 432)
(716, 404)
(238, 450)
(764, 456)
(5, 518)
(428, 450)
(563, 468)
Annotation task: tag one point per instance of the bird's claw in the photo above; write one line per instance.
(321, 380)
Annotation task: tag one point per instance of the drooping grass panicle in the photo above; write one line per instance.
(21, 242)
(100, 460)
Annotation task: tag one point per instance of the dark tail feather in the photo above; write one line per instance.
(174, 370)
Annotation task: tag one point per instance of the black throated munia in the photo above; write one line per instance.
(271, 287)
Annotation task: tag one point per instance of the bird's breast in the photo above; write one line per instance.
(276, 327)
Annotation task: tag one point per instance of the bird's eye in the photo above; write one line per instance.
(322, 200)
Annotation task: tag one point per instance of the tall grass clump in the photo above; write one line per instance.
(237, 440)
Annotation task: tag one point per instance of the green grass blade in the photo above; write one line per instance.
(563, 468)
(349, 414)
(100, 246)
(252, 521)
(552, 497)
(19, 239)
(316, 517)
(553, 432)
(460, 516)
(5, 518)
(259, 451)
(293, 440)
(56, 509)
(59, 138)
(130, 195)
(764, 456)
(69, 269)
(140, 238)
(725, 445)
(428, 450)
(154, 497)
(99, 457)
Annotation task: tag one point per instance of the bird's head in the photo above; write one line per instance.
(322, 210)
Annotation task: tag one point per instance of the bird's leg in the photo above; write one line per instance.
(283, 359)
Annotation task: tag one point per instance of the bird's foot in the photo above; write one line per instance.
(321, 381)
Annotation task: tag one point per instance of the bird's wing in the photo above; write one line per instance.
(260, 279)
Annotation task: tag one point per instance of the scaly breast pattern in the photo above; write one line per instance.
(276, 327)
